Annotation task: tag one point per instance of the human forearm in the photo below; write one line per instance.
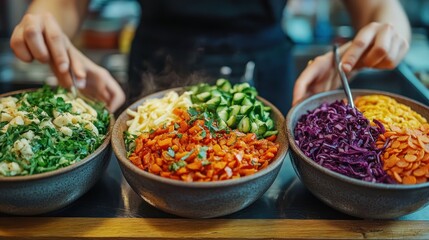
(68, 13)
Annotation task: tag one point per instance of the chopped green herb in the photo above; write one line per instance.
(173, 167)
(171, 152)
(192, 112)
(254, 162)
(202, 154)
(187, 155)
(181, 163)
(51, 148)
(129, 140)
(179, 135)
(205, 162)
(203, 132)
(176, 126)
(176, 165)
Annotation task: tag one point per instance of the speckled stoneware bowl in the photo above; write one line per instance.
(197, 199)
(351, 196)
(46, 192)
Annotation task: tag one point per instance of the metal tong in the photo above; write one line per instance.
(344, 80)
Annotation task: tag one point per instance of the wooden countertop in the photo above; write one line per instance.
(156, 228)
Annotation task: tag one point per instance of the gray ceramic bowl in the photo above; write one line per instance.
(197, 199)
(46, 192)
(352, 196)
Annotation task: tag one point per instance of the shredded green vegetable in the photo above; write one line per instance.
(42, 131)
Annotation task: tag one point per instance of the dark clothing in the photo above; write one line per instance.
(183, 42)
(212, 16)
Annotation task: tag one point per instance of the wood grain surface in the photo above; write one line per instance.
(153, 228)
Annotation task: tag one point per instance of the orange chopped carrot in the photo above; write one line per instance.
(165, 143)
(155, 169)
(272, 138)
(405, 158)
(188, 151)
(194, 165)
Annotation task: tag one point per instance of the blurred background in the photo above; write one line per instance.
(107, 32)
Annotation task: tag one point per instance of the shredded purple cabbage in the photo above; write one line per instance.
(341, 139)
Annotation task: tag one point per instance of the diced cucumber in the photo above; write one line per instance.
(262, 129)
(238, 98)
(203, 97)
(254, 128)
(267, 109)
(232, 121)
(216, 93)
(241, 87)
(244, 125)
(257, 109)
(251, 91)
(220, 82)
(194, 99)
(270, 123)
(266, 116)
(222, 124)
(226, 87)
(223, 115)
(247, 101)
(245, 109)
(223, 84)
(239, 117)
(252, 115)
(234, 109)
(259, 122)
(193, 89)
(213, 103)
(221, 108)
(270, 133)
(224, 101)
(204, 87)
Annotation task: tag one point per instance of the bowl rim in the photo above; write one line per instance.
(50, 174)
(331, 173)
(116, 145)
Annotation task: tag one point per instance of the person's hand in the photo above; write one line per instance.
(377, 45)
(39, 37)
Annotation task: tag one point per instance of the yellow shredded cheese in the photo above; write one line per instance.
(157, 111)
(388, 111)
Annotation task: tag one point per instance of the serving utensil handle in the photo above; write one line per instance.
(344, 80)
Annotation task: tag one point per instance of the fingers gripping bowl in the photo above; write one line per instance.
(53, 149)
(198, 193)
(396, 187)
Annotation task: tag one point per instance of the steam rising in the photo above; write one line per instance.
(173, 75)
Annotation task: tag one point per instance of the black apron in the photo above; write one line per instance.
(184, 42)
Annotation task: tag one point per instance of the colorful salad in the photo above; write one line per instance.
(380, 141)
(207, 133)
(48, 129)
